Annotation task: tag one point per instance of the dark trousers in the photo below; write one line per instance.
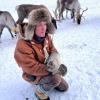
(53, 82)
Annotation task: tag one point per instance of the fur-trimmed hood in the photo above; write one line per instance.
(35, 16)
(41, 14)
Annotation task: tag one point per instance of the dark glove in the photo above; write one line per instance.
(32, 77)
(62, 70)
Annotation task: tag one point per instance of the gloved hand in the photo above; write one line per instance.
(52, 67)
(62, 70)
(53, 62)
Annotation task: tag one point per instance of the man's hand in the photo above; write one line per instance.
(62, 70)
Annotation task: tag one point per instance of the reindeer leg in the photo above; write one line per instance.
(62, 17)
(66, 13)
(72, 13)
(74, 19)
(10, 32)
(0, 40)
(11, 35)
(1, 29)
(61, 11)
(56, 12)
(74, 16)
(0, 34)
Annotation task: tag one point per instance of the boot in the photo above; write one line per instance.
(41, 96)
(63, 86)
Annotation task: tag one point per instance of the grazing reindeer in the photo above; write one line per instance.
(24, 10)
(71, 5)
(6, 20)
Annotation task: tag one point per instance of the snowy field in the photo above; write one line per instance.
(78, 45)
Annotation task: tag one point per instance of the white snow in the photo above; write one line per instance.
(78, 45)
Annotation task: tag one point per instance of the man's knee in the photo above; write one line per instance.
(56, 79)
(50, 82)
(63, 86)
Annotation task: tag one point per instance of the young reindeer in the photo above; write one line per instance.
(71, 5)
(6, 20)
(23, 11)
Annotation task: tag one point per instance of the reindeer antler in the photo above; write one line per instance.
(84, 11)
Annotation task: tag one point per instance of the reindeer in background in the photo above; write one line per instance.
(58, 8)
(69, 5)
(6, 20)
(23, 11)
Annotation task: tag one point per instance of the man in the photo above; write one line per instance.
(32, 50)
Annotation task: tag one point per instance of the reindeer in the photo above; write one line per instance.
(6, 20)
(70, 5)
(58, 9)
(24, 10)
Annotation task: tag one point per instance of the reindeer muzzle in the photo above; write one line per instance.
(78, 21)
(13, 29)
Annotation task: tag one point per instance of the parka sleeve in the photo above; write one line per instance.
(24, 57)
(51, 45)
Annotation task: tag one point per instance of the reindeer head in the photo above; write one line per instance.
(79, 16)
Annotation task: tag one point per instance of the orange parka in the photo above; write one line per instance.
(30, 56)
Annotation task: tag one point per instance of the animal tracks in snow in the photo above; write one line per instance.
(76, 45)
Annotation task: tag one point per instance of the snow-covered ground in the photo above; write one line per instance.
(79, 46)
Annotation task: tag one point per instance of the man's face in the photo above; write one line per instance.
(41, 29)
